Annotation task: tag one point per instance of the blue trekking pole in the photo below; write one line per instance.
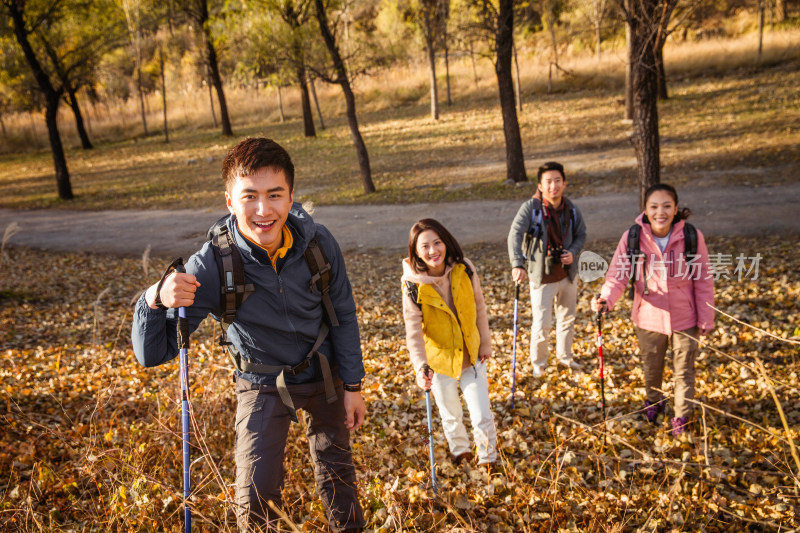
(183, 344)
(426, 370)
(514, 356)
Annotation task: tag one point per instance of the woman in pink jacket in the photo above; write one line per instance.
(670, 301)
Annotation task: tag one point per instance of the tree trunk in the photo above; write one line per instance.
(447, 71)
(597, 41)
(59, 159)
(141, 99)
(52, 99)
(551, 25)
(628, 66)
(517, 91)
(760, 28)
(86, 144)
(429, 44)
(3, 126)
(280, 104)
(515, 161)
(598, 21)
(645, 95)
(34, 133)
(661, 74)
(316, 104)
(305, 101)
(447, 67)
(211, 97)
(213, 67)
(474, 67)
(780, 11)
(163, 93)
(350, 101)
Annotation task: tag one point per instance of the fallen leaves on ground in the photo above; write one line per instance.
(90, 440)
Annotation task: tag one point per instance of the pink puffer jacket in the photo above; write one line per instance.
(677, 291)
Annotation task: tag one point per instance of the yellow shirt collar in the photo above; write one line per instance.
(288, 240)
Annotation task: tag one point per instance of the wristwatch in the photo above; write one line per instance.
(353, 388)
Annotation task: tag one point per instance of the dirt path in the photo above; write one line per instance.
(729, 210)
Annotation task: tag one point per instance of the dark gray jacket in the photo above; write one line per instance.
(279, 322)
(573, 240)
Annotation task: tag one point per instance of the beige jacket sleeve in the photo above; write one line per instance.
(482, 317)
(412, 316)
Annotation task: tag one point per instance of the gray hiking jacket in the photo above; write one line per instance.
(573, 240)
(278, 323)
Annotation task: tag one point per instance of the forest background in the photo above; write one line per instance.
(89, 441)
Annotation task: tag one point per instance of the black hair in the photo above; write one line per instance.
(551, 165)
(453, 253)
(255, 153)
(682, 214)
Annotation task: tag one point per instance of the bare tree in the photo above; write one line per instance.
(52, 94)
(316, 103)
(428, 17)
(645, 18)
(198, 11)
(163, 92)
(444, 6)
(341, 78)
(497, 23)
(595, 11)
(296, 14)
(780, 10)
(133, 19)
(760, 28)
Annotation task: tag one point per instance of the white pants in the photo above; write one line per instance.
(474, 385)
(560, 297)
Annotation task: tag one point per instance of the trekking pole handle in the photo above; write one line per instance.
(427, 370)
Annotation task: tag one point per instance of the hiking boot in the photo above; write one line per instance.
(571, 364)
(679, 425)
(537, 371)
(652, 410)
(465, 457)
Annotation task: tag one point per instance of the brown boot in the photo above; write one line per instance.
(465, 457)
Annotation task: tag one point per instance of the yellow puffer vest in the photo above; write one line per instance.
(445, 334)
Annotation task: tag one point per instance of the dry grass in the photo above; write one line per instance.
(728, 120)
(89, 440)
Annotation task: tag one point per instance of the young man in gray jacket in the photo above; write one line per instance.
(547, 234)
(276, 335)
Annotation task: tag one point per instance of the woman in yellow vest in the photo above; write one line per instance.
(447, 328)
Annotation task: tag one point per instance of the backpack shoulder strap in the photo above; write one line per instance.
(536, 217)
(633, 253)
(690, 240)
(412, 290)
(320, 269)
(234, 287)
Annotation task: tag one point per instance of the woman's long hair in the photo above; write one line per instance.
(682, 214)
(453, 252)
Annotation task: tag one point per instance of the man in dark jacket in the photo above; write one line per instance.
(278, 325)
(556, 233)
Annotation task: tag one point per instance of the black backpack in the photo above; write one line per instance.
(689, 241)
(235, 290)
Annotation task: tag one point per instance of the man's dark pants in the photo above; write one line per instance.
(262, 425)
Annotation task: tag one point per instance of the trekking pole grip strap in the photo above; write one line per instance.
(176, 265)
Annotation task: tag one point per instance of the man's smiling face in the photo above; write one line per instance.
(261, 203)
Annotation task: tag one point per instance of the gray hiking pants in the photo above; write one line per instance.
(262, 425)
